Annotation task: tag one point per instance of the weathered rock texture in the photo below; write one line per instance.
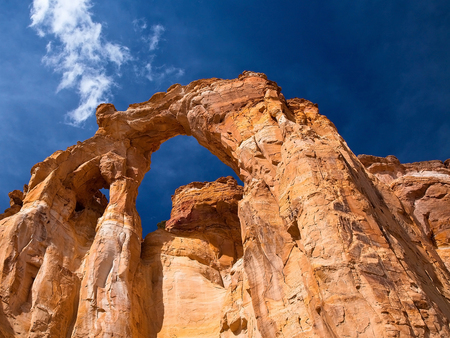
(424, 189)
(320, 246)
(190, 263)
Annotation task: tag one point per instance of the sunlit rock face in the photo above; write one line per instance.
(318, 243)
(424, 189)
(190, 261)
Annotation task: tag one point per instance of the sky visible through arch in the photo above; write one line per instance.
(188, 162)
(380, 70)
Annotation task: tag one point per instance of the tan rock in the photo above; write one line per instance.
(424, 189)
(322, 248)
(189, 263)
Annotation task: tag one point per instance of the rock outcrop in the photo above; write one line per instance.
(318, 243)
(190, 261)
(424, 189)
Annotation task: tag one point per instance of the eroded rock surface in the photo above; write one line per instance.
(424, 189)
(190, 262)
(320, 247)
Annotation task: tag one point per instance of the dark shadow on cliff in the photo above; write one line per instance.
(6, 330)
(152, 271)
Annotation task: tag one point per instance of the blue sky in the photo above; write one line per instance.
(380, 70)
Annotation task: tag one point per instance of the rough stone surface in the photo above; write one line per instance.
(190, 261)
(424, 189)
(313, 245)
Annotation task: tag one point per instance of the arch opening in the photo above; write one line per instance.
(178, 162)
(105, 192)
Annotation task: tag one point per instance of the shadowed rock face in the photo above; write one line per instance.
(313, 245)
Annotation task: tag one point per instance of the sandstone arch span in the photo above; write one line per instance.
(328, 250)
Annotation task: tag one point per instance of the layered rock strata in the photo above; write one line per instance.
(424, 189)
(326, 249)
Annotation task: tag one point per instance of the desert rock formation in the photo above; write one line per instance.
(190, 261)
(318, 243)
(424, 189)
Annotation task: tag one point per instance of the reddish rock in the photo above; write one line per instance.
(424, 189)
(190, 262)
(324, 249)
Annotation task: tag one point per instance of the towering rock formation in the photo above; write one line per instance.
(313, 245)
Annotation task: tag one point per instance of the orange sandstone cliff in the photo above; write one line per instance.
(318, 243)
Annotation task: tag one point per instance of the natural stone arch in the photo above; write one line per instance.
(327, 249)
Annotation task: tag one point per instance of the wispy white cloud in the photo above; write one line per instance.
(80, 53)
(161, 73)
(158, 73)
(139, 24)
(157, 31)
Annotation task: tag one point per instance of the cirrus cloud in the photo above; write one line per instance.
(79, 52)
(157, 31)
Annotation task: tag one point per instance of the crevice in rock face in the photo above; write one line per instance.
(79, 207)
(90, 205)
(73, 318)
(6, 329)
(23, 292)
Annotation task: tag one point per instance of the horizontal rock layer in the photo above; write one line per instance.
(318, 243)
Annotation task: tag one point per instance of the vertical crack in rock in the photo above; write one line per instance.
(318, 242)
